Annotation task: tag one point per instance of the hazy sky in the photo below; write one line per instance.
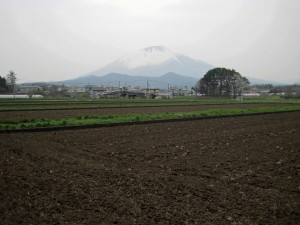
(43, 40)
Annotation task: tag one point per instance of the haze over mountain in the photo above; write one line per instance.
(155, 61)
(157, 65)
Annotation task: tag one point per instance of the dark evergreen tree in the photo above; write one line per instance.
(222, 82)
(3, 87)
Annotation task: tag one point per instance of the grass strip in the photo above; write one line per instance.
(92, 120)
(137, 104)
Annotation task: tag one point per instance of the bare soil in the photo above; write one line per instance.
(60, 114)
(241, 170)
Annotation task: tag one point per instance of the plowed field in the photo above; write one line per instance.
(241, 170)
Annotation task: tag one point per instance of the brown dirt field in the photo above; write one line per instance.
(241, 170)
(59, 114)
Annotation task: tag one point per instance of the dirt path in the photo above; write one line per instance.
(56, 114)
(242, 170)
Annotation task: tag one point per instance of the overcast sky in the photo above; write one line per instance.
(47, 40)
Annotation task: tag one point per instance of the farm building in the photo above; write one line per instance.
(126, 93)
(152, 92)
(74, 89)
(96, 92)
(135, 94)
(164, 95)
(28, 89)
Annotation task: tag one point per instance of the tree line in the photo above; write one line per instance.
(290, 91)
(222, 82)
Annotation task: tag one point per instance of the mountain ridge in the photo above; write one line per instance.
(170, 78)
(116, 79)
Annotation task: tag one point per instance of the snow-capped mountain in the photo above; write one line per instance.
(155, 61)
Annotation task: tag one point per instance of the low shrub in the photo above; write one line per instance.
(38, 125)
(47, 124)
(22, 126)
(110, 116)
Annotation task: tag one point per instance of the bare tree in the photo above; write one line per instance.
(11, 79)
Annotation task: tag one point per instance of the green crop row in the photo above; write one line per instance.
(99, 104)
(92, 120)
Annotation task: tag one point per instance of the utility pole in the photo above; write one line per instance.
(119, 89)
(148, 89)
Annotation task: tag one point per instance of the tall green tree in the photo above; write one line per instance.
(11, 80)
(222, 82)
(3, 87)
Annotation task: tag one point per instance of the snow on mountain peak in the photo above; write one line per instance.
(154, 61)
(160, 48)
(153, 55)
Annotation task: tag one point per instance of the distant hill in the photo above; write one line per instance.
(254, 81)
(113, 79)
(172, 79)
